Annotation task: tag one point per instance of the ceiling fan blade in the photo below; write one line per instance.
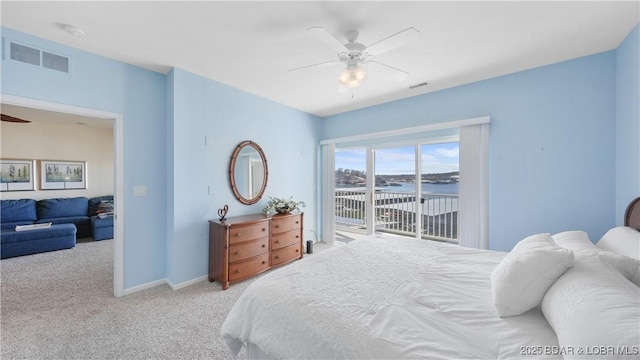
(394, 41)
(387, 70)
(9, 118)
(326, 37)
(322, 64)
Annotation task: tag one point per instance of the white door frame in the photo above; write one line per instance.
(118, 173)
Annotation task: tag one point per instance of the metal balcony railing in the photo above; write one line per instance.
(396, 212)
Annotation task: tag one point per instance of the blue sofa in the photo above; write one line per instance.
(71, 218)
(66, 211)
(101, 225)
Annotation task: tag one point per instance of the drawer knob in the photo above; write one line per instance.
(237, 252)
(264, 262)
(297, 250)
(237, 271)
(237, 234)
(277, 256)
(277, 226)
(263, 229)
(297, 236)
(297, 222)
(263, 245)
(277, 241)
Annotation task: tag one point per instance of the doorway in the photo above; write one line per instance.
(118, 165)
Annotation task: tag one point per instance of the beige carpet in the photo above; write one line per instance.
(60, 305)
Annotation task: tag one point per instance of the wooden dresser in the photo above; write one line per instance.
(243, 246)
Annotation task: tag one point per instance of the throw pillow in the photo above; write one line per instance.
(521, 279)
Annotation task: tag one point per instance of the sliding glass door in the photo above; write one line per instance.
(439, 187)
(351, 190)
(394, 195)
(409, 189)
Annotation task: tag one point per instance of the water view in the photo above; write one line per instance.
(396, 207)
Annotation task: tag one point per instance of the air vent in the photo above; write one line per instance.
(25, 54)
(418, 85)
(55, 62)
(38, 57)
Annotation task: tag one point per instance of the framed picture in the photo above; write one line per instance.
(63, 175)
(17, 175)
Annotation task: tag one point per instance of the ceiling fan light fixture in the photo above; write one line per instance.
(352, 77)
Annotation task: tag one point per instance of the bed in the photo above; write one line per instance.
(389, 297)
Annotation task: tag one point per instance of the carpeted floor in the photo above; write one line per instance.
(60, 305)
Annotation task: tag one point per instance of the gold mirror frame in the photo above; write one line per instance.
(232, 177)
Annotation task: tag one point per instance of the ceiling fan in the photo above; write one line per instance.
(356, 56)
(10, 118)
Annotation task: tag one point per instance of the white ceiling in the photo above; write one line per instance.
(251, 45)
(37, 115)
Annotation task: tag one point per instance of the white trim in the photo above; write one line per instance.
(410, 130)
(149, 285)
(118, 166)
(370, 207)
(420, 142)
(328, 193)
(186, 283)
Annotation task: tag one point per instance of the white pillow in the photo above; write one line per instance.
(583, 248)
(594, 311)
(628, 267)
(521, 279)
(576, 241)
(621, 240)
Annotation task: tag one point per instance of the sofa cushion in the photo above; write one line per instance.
(97, 222)
(82, 223)
(94, 203)
(18, 243)
(101, 229)
(65, 220)
(62, 207)
(10, 236)
(18, 211)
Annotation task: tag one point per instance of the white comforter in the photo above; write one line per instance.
(385, 297)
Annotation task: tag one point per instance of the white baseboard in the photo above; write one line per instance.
(155, 283)
(148, 285)
(186, 283)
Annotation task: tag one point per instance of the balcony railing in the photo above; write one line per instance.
(396, 212)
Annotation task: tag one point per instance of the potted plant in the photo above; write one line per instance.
(282, 206)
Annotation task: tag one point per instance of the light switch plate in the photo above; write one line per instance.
(139, 190)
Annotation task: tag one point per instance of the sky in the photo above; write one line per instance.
(436, 158)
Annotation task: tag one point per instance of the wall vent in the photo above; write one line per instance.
(418, 85)
(37, 57)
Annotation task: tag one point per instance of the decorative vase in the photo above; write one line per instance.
(283, 211)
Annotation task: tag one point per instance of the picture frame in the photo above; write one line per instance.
(63, 175)
(17, 175)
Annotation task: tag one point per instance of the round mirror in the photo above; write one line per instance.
(248, 172)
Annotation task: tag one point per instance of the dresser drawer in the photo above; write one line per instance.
(242, 233)
(245, 269)
(285, 254)
(280, 224)
(285, 239)
(249, 249)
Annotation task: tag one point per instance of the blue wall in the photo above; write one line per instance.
(627, 122)
(166, 119)
(228, 116)
(560, 140)
(552, 150)
(139, 95)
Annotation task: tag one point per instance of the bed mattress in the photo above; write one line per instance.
(384, 297)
